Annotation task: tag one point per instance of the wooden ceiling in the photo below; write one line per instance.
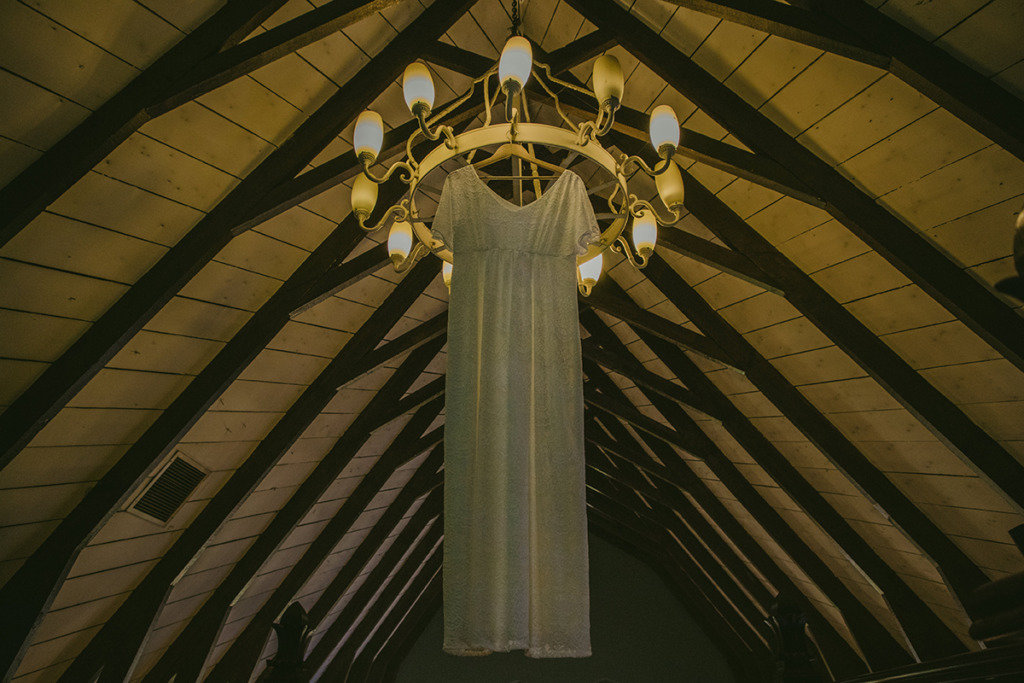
(813, 388)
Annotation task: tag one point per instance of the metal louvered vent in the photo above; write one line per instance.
(169, 489)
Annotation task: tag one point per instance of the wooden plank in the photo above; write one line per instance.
(240, 658)
(187, 654)
(61, 380)
(48, 177)
(131, 621)
(897, 242)
(916, 394)
(878, 645)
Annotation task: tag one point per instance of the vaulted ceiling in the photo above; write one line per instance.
(813, 389)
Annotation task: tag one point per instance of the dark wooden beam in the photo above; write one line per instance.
(393, 652)
(624, 309)
(903, 246)
(842, 659)
(186, 655)
(62, 165)
(262, 49)
(974, 98)
(418, 569)
(877, 644)
(921, 398)
(578, 51)
(90, 353)
(132, 618)
(722, 258)
(240, 658)
(637, 419)
(792, 23)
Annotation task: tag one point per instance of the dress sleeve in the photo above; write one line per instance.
(444, 218)
(586, 230)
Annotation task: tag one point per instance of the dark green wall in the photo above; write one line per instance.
(640, 632)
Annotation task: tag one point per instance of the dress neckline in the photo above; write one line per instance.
(470, 170)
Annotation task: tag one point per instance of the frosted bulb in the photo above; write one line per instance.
(369, 135)
(645, 233)
(590, 270)
(417, 86)
(446, 274)
(664, 128)
(516, 62)
(670, 185)
(364, 195)
(608, 83)
(399, 241)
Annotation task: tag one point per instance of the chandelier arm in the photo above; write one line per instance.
(401, 265)
(558, 106)
(642, 165)
(558, 81)
(636, 259)
(637, 205)
(405, 177)
(400, 211)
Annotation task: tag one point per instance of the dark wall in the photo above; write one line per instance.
(640, 632)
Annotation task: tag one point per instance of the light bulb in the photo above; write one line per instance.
(399, 241)
(368, 136)
(418, 87)
(670, 185)
(664, 130)
(590, 270)
(645, 232)
(364, 196)
(446, 274)
(607, 79)
(515, 63)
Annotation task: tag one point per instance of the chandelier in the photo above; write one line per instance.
(410, 238)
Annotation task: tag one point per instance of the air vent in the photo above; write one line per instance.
(169, 489)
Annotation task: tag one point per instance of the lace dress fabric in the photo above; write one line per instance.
(515, 531)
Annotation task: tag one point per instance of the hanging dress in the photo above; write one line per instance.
(515, 569)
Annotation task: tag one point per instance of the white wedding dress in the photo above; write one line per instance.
(515, 531)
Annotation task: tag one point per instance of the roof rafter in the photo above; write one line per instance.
(132, 618)
(90, 352)
(900, 244)
(878, 645)
(409, 443)
(187, 654)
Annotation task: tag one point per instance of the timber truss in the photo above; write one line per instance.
(642, 493)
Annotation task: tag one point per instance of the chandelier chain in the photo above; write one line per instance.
(515, 18)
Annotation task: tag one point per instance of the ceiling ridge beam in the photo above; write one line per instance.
(926, 633)
(976, 100)
(241, 656)
(929, 405)
(613, 531)
(842, 659)
(132, 619)
(187, 654)
(39, 185)
(418, 569)
(881, 648)
(913, 254)
(430, 512)
(59, 382)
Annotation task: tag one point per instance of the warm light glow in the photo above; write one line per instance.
(516, 62)
(645, 233)
(399, 241)
(607, 79)
(446, 274)
(369, 134)
(417, 86)
(670, 185)
(590, 270)
(364, 195)
(664, 128)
